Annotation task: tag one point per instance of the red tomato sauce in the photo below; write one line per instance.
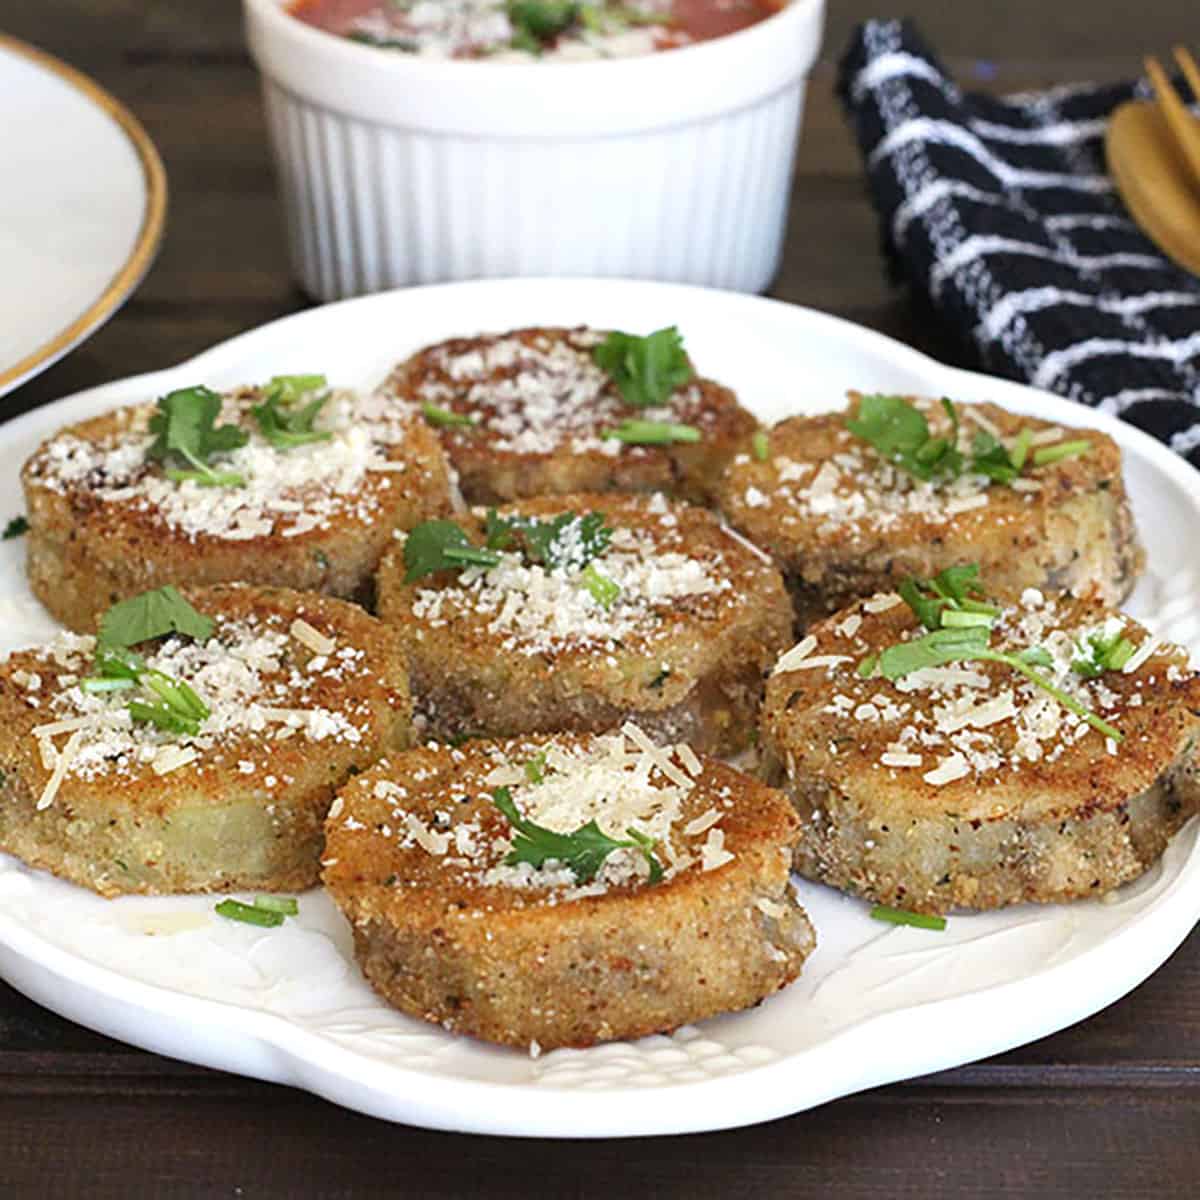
(686, 22)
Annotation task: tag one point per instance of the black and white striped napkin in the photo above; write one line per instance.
(1002, 211)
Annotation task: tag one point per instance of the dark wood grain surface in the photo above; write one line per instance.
(1109, 1108)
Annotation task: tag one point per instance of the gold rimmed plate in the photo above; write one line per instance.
(83, 216)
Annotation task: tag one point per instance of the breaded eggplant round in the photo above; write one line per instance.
(691, 916)
(841, 521)
(674, 623)
(967, 785)
(524, 413)
(302, 691)
(107, 522)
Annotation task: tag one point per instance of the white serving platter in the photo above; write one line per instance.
(875, 1003)
(82, 212)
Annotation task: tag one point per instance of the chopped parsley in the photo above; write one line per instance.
(282, 420)
(652, 433)
(960, 630)
(899, 432)
(187, 438)
(646, 370)
(446, 418)
(583, 852)
(902, 916)
(15, 528)
(760, 445)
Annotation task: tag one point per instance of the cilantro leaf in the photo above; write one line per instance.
(990, 458)
(566, 540)
(442, 546)
(583, 852)
(174, 706)
(971, 644)
(898, 431)
(647, 369)
(15, 528)
(536, 23)
(153, 614)
(279, 420)
(900, 434)
(950, 598)
(185, 434)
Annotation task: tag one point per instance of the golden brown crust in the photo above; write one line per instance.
(686, 667)
(87, 549)
(1075, 529)
(247, 812)
(1080, 818)
(519, 965)
(540, 407)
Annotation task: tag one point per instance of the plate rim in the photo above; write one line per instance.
(275, 1048)
(150, 234)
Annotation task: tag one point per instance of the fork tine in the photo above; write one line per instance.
(1185, 129)
(1191, 72)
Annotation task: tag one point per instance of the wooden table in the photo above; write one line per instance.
(1108, 1108)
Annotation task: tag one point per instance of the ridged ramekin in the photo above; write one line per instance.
(397, 170)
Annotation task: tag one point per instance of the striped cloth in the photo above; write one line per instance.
(1001, 211)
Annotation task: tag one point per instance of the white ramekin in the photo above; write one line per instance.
(397, 170)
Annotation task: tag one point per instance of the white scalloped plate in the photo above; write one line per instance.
(874, 1004)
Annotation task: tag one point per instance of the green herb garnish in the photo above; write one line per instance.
(536, 23)
(901, 916)
(289, 906)
(760, 445)
(646, 369)
(249, 914)
(1045, 455)
(563, 541)
(446, 418)
(281, 422)
(185, 434)
(172, 704)
(441, 546)
(583, 852)
(1098, 654)
(15, 528)
(653, 433)
(153, 614)
(899, 432)
(971, 644)
(535, 768)
(603, 590)
(953, 597)
(383, 43)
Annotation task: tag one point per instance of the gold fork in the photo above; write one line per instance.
(1158, 177)
(1185, 128)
